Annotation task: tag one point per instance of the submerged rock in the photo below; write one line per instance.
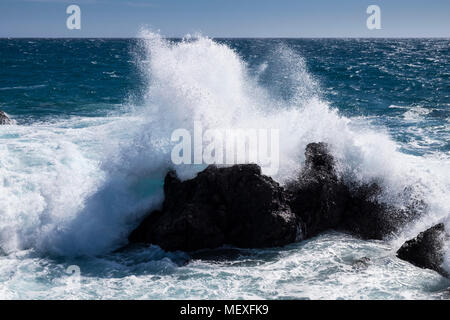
(236, 205)
(4, 119)
(362, 263)
(426, 250)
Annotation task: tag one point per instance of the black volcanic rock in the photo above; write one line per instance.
(236, 205)
(4, 119)
(368, 218)
(323, 201)
(318, 197)
(241, 207)
(426, 250)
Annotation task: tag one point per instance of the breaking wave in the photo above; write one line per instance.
(79, 186)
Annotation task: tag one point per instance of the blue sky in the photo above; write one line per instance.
(226, 18)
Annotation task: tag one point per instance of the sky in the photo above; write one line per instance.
(226, 18)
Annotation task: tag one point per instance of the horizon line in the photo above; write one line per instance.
(222, 37)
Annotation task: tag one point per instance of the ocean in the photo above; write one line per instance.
(87, 155)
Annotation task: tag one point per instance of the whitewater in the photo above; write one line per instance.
(73, 188)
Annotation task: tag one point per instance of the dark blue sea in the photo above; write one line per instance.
(91, 143)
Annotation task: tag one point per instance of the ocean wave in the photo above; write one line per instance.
(75, 190)
(37, 86)
(416, 113)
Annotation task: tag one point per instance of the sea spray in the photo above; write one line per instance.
(80, 191)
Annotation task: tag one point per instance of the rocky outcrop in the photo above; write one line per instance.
(426, 250)
(241, 207)
(368, 218)
(4, 119)
(237, 206)
(318, 197)
(323, 201)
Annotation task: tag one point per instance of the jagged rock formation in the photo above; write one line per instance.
(237, 206)
(241, 207)
(426, 250)
(323, 201)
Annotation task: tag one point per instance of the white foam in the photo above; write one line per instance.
(75, 189)
(416, 113)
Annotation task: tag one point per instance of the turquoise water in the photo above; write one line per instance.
(91, 146)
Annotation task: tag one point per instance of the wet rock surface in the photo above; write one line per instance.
(236, 205)
(426, 250)
(239, 206)
(4, 119)
(323, 201)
